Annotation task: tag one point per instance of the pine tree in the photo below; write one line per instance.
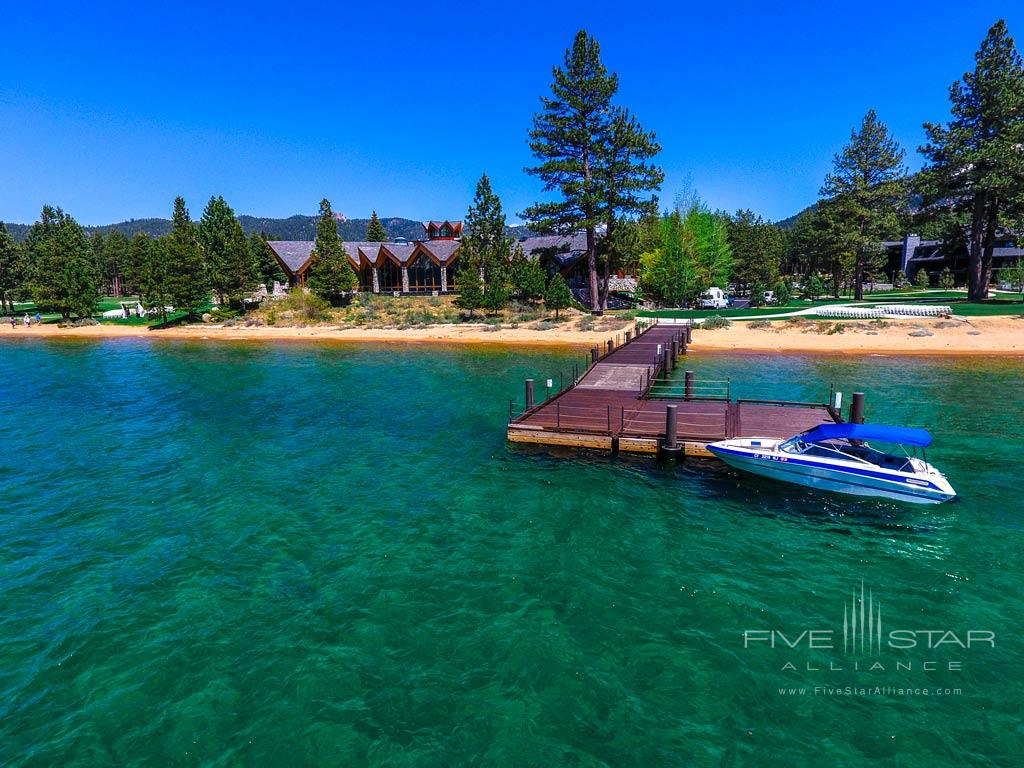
(267, 267)
(114, 263)
(921, 279)
(151, 259)
(490, 247)
(228, 259)
(975, 162)
(62, 266)
(471, 294)
(758, 248)
(569, 138)
(946, 281)
(187, 283)
(628, 180)
(868, 178)
(557, 295)
(527, 276)
(375, 232)
(330, 273)
(12, 270)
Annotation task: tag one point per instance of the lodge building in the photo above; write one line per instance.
(429, 265)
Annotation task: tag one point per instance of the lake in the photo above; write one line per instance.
(298, 554)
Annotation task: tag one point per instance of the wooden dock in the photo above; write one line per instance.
(622, 402)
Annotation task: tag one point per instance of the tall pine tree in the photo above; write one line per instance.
(375, 232)
(188, 286)
(975, 160)
(12, 270)
(228, 258)
(268, 268)
(629, 180)
(569, 137)
(62, 266)
(490, 246)
(330, 273)
(868, 180)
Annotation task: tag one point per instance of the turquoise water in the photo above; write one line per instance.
(328, 555)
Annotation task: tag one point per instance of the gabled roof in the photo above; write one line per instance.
(563, 250)
(369, 254)
(439, 251)
(455, 226)
(398, 252)
(293, 254)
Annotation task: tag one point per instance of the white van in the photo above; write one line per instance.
(713, 298)
(769, 297)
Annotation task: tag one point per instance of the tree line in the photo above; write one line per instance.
(600, 162)
(59, 268)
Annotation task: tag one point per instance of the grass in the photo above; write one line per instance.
(990, 308)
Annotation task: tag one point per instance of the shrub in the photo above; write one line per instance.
(761, 324)
(715, 322)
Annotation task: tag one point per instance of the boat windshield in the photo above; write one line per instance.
(841, 449)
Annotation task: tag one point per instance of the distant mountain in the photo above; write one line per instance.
(788, 224)
(293, 228)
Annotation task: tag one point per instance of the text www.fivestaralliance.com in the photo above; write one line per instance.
(875, 690)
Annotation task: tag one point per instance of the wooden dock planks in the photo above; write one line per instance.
(610, 407)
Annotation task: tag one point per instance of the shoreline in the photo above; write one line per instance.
(978, 337)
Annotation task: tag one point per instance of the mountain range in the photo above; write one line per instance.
(292, 228)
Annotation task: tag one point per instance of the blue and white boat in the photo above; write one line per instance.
(836, 457)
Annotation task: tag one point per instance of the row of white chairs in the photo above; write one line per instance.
(851, 313)
(915, 310)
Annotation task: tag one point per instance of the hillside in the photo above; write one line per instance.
(293, 228)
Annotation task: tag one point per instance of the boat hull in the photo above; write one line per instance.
(851, 481)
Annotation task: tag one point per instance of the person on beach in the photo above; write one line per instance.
(28, 320)
(14, 322)
(38, 318)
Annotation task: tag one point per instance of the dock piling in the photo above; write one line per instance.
(857, 408)
(688, 385)
(594, 354)
(629, 336)
(529, 393)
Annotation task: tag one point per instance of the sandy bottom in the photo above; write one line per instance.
(987, 335)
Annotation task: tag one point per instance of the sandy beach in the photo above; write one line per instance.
(973, 336)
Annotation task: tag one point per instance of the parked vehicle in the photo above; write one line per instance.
(714, 298)
(769, 297)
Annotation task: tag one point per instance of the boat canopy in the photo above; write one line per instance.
(904, 435)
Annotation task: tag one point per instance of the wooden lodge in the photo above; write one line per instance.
(426, 266)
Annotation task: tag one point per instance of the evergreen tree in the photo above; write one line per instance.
(471, 293)
(114, 264)
(267, 267)
(557, 295)
(12, 270)
(528, 277)
(975, 162)
(187, 283)
(921, 279)
(868, 179)
(375, 232)
(485, 233)
(330, 273)
(229, 261)
(569, 138)
(628, 179)
(946, 281)
(98, 243)
(62, 266)
(758, 248)
(151, 259)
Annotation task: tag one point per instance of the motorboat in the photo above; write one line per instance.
(837, 457)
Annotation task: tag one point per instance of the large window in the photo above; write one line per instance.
(424, 275)
(390, 275)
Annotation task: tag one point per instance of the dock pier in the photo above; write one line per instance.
(624, 401)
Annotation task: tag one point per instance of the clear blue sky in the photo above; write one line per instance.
(112, 110)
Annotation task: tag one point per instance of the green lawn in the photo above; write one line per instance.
(990, 308)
